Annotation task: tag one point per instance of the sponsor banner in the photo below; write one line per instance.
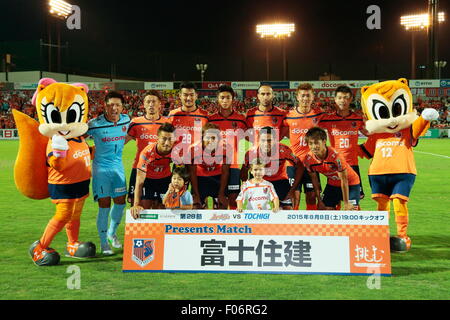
(444, 83)
(100, 85)
(9, 134)
(25, 85)
(246, 85)
(276, 84)
(214, 85)
(334, 84)
(424, 83)
(158, 85)
(299, 242)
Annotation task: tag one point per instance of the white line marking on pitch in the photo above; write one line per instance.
(434, 154)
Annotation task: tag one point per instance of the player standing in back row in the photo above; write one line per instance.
(232, 126)
(266, 114)
(145, 131)
(343, 126)
(108, 176)
(188, 119)
(299, 121)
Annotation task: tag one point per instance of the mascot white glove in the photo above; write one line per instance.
(59, 146)
(430, 114)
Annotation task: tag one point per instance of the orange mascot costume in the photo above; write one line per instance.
(394, 129)
(54, 161)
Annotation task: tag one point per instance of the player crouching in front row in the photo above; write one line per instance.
(257, 192)
(343, 183)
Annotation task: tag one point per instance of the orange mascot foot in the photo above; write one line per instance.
(43, 256)
(400, 244)
(80, 250)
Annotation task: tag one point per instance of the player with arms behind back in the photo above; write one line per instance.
(266, 114)
(188, 119)
(108, 175)
(232, 125)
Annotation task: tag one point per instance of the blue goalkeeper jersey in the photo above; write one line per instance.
(109, 139)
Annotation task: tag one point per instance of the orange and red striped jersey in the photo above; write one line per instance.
(145, 132)
(155, 166)
(333, 163)
(191, 122)
(77, 163)
(258, 119)
(343, 133)
(229, 128)
(276, 165)
(298, 124)
(392, 152)
(208, 163)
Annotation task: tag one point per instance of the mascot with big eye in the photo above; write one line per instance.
(394, 129)
(54, 161)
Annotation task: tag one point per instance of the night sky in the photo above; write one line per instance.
(163, 40)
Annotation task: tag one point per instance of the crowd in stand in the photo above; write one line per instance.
(21, 100)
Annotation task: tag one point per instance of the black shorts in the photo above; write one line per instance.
(282, 188)
(305, 181)
(155, 189)
(356, 169)
(332, 195)
(234, 181)
(208, 187)
(132, 183)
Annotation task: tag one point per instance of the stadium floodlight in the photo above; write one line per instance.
(419, 21)
(414, 23)
(60, 8)
(202, 68)
(276, 30)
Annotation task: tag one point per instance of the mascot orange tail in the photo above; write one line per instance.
(30, 180)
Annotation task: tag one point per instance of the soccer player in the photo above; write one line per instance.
(188, 119)
(108, 176)
(266, 114)
(153, 168)
(229, 123)
(343, 126)
(343, 182)
(209, 168)
(178, 196)
(144, 130)
(276, 157)
(298, 121)
(258, 192)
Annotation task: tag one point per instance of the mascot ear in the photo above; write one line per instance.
(403, 80)
(82, 86)
(364, 89)
(44, 82)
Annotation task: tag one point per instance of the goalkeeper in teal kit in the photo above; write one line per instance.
(108, 177)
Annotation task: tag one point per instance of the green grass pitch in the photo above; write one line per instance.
(422, 273)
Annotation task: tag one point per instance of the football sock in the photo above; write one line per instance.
(73, 230)
(401, 216)
(102, 224)
(73, 226)
(311, 206)
(53, 227)
(116, 217)
(383, 204)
